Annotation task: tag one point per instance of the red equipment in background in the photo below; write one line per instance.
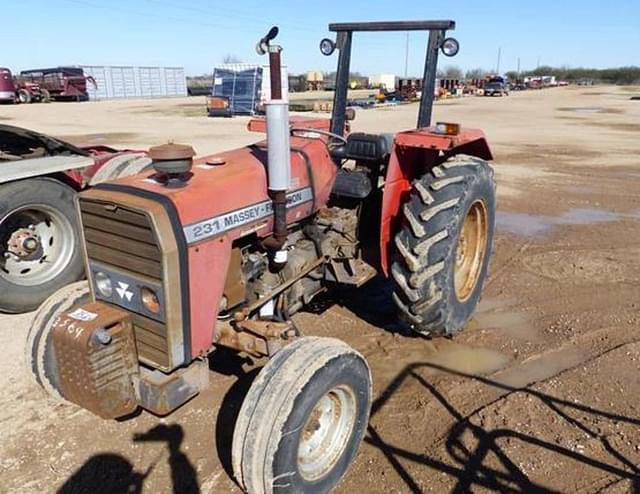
(59, 83)
(7, 87)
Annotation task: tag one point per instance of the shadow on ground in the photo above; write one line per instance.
(467, 465)
(372, 303)
(112, 473)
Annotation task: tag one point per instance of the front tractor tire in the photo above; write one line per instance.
(303, 419)
(444, 245)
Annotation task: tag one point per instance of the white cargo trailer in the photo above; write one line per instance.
(118, 82)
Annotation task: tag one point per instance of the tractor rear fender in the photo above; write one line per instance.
(414, 152)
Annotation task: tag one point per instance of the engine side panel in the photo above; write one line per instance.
(222, 203)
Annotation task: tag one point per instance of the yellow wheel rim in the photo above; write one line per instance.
(471, 250)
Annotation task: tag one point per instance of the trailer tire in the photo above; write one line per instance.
(303, 418)
(39, 352)
(24, 96)
(443, 248)
(42, 210)
(45, 96)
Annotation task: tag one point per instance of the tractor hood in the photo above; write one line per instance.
(227, 193)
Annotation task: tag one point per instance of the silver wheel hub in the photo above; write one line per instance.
(326, 433)
(36, 245)
(24, 243)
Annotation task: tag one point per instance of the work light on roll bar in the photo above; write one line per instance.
(450, 47)
(327, 47)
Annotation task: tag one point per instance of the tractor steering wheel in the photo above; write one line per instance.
(340, 138)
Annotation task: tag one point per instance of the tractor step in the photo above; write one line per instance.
(351, 272)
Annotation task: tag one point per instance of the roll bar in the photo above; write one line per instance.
(393, 26)
(437, 30)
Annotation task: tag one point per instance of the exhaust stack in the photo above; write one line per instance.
(278, 150)
(278, 147)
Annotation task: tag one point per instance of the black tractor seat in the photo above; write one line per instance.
(370, 148)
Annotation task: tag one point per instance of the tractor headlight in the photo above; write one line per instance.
(450, 47)
(103, 284)
(327, 47)
(150, 300)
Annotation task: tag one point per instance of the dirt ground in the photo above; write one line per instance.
(540, 393)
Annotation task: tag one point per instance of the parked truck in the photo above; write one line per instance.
(7, 86)
(40, 240)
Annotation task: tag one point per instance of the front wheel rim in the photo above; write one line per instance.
(471, 250)
(21, 262)
(326, 433)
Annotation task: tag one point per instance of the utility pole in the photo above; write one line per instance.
(518, 71)
(498, 64)
(406, 57)
(538, 64)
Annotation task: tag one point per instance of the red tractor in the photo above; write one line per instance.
(221, 252)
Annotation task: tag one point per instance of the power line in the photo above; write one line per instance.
(188, 21)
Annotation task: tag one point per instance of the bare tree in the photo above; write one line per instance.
(477, 73)
(452, 72)
(231, 58)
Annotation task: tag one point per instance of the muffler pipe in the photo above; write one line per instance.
(278, 151)
(278, 173)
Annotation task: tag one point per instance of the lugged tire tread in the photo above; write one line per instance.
(432, 215)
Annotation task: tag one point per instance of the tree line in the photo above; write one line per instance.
(617, 75)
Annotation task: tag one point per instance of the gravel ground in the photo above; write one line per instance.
(539, 393)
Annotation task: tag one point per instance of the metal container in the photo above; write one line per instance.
(118, 82)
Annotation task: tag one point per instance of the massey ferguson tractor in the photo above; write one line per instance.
(221, 251)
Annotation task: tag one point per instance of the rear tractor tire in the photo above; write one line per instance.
(303, 419)
(444, 245)
(40, 354)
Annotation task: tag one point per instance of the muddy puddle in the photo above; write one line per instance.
(514, 324)
(448, 354)
(541, 367)
(468, 359)
(535, 226)
(589, 109)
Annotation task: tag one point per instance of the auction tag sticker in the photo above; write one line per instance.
(83, 315)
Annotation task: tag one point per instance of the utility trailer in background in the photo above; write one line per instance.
(58, 83)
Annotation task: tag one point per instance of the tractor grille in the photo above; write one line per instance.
(124, 239)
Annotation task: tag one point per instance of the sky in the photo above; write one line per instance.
(198, 34)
